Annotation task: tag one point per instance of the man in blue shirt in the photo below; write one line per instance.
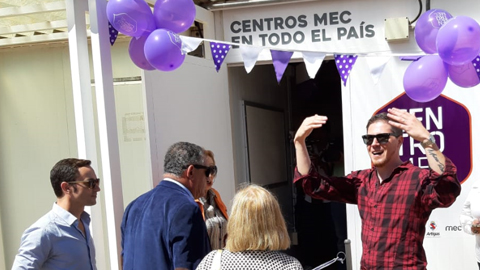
(164, 228)
(61, 239)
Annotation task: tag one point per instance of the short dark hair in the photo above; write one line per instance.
(180, 155)
(384, 117)
(66, 170)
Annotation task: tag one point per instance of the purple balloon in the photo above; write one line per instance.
(425, 78)
(427, 28)
(458, 41)
(130, 17)
(174, 15)
(136, 52)
(464, 75)
(163, 50)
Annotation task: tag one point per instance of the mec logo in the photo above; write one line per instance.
(453, 228)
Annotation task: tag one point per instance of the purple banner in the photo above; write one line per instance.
(448, 121)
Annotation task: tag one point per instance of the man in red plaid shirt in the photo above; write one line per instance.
(394, 198)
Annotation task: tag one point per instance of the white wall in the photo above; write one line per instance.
(38, 129)
(131, 137)
(191, 104)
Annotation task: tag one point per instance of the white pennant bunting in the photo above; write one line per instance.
(190, 44)
(313, 61)
(377, 65)
(250, 56)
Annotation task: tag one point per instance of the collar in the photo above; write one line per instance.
(179, 184)
(68, 217)
(404, 166)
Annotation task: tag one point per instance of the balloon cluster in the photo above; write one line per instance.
(155, 43)
(452, 44)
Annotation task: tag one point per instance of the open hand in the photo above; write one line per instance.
(408, 122)
(308, 125)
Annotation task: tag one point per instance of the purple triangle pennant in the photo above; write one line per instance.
(344, 65)
(219, 52)
(280, 62)
(113, 33)
(476, 65)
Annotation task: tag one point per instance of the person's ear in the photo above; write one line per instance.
(189, 171)
(65, 187)
(400, 141)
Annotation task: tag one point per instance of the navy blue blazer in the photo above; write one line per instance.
(163, 229)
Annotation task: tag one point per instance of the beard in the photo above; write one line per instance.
(380, 162)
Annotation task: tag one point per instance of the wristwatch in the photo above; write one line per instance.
(428, 142)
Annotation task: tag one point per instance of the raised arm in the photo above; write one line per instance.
(415, 129)
(305, 129)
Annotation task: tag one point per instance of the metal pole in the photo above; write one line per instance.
(348, 253)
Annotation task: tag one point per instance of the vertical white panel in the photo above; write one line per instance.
(84, 110)
(154, 157)
(82, 94)
(107, 130)
(354, 223)
(132, 140)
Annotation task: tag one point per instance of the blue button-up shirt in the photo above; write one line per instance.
(55, 242)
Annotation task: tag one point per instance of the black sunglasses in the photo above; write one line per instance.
(209, 171)
(382, 138)
(91, 183)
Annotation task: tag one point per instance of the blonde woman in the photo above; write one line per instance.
(212, 207)
(256, 232)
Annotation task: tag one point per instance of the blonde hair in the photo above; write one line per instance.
(256, 222)
(210, 154)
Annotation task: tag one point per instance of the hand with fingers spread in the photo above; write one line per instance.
(308, 125)
(305, 129)
(408, 122)
(415, 129)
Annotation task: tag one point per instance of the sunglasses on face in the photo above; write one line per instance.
(382, 138)
(209, 171)
(90, 183)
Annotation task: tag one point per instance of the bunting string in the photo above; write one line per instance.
(281, 56)
(376, 60)
(362, 54)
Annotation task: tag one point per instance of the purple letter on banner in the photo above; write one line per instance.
(448, 121)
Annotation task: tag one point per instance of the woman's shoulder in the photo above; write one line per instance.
(264, 260)
(283, 256)
(207, 261)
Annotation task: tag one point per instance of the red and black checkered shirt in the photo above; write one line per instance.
(393, 213)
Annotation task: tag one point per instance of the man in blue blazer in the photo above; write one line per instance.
(164, 228)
